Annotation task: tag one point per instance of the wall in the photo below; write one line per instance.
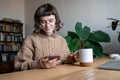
(92, 13)
(12, 9)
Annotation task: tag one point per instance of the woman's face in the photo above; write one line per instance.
(48, 24)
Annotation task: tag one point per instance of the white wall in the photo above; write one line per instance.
(92, 13)
(12, 9)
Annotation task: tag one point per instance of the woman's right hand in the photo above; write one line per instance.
(50, 63)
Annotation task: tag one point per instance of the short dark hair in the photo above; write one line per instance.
(46, 10)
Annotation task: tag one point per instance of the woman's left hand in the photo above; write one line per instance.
(73, 56)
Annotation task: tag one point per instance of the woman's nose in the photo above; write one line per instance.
(47, 23)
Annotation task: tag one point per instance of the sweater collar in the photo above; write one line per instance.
(54, 35)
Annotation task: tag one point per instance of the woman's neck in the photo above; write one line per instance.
(47, 34)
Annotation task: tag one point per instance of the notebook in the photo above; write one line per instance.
(112, 65)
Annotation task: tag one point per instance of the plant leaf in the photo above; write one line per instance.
(68, 39)
(83, 33)
(72, 34)
(99, 36)
(73, 46)
(72, 43)
(97, 48)
(119, 37)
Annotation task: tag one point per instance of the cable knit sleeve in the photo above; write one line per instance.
(66, 52)
(64, 49)
(24, 59)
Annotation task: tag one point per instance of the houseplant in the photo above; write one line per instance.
(114, 25)
(83, 37)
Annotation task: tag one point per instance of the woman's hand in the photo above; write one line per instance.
(47, 63)
(73, 57)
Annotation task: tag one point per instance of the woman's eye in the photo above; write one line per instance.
(42, 22)
(47, 21)
(51, 21)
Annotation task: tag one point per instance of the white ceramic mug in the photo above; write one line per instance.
(86, 57)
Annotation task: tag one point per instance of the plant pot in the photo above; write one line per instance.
(86, 57)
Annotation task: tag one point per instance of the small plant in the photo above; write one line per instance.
(84, 38)
(114, 24)
(119, 37)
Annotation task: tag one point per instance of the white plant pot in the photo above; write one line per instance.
(86, 57)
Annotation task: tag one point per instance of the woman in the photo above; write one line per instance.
(44, 48)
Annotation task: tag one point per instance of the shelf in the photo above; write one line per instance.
(8, 51)
(11, 37)
(6, 22)
(6, 67)
(9, 42)
(11, 32)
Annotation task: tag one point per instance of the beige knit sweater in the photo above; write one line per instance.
(36, 46)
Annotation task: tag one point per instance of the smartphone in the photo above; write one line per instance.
(53, 57)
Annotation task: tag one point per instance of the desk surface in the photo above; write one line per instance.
(66, 72)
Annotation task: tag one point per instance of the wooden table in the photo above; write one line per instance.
(66, 72)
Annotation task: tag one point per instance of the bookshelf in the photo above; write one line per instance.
(11, 37)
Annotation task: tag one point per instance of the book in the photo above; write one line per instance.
(4, 57)
(111, 65)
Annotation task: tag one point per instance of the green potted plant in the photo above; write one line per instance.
(114, 25)
(84, 38)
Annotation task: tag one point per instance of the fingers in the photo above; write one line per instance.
(73, 57)
(45, 59)
(53, 63)
(50, 63)
(53, 60)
